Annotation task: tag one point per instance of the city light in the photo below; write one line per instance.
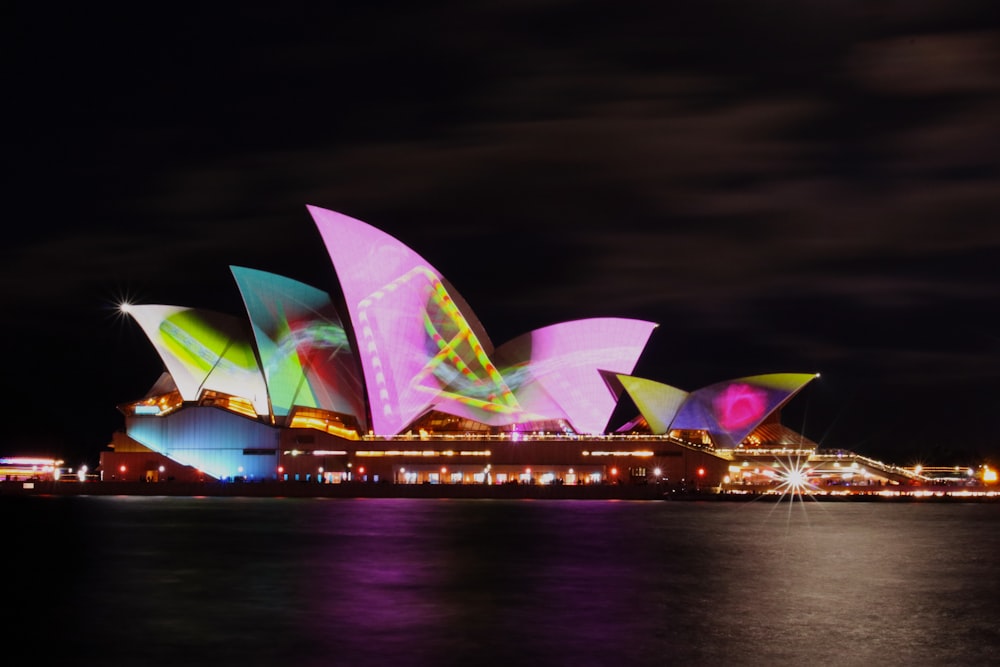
(793, 478)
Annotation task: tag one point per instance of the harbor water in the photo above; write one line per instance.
(194, 581)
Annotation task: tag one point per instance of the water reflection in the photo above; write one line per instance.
(438, 582)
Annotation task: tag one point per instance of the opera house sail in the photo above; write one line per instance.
(404, 384)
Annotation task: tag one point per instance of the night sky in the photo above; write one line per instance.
(784, 186)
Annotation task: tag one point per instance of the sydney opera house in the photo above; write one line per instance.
(391, 378)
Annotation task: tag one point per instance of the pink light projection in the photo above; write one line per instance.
(738, 405)
(558, 367)
(411, 328)
(728, 411)
(422, 348)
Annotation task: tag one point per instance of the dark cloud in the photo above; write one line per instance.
(923, 64)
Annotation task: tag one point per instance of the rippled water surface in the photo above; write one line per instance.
(234, 581)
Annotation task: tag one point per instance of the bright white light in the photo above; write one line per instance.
(793, 478)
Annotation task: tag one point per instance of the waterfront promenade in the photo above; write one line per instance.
(274, 489)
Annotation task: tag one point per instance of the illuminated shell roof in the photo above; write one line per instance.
(657, 402)
(417, 343)
(728, 410)
(558, 368)
(204, 351)
(305, 353)
(422, 348)
(415, 346)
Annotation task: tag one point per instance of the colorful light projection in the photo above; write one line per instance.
(658, 403)
(422, 347)
(738, 405)
(728, 410)
(213, 441)
(204, 351)
(305, 353)
(458, 361)
(391, 292)
(556, 370)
